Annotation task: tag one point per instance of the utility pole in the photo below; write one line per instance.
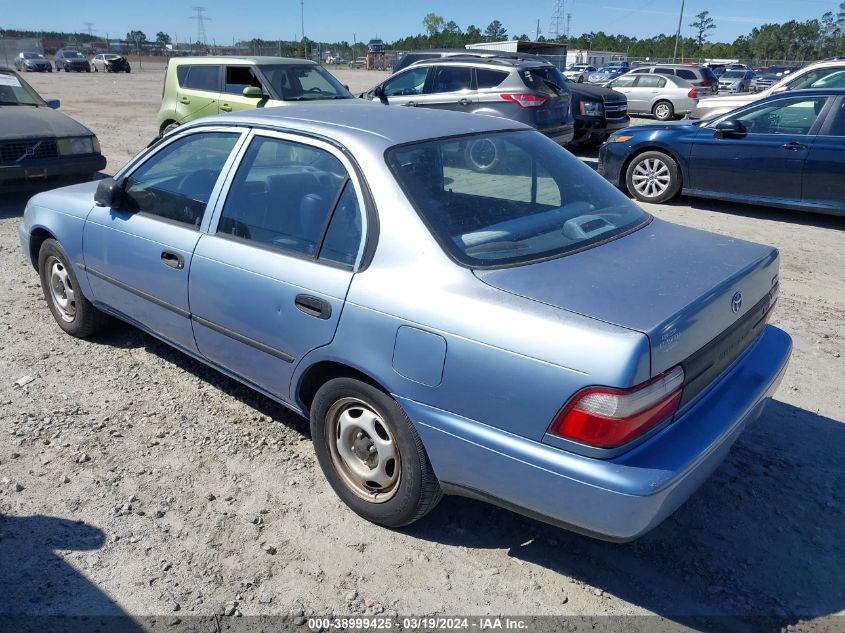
(302, 16)
(537, 36)
(678, 34)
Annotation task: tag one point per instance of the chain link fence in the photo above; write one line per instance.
(10, 47)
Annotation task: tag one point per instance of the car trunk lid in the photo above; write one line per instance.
(682, 287)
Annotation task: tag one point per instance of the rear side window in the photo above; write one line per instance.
(451, 79)
(651, 81)
(686, 74)
(640, 71)
(489, 78)
(283, 196)
(664, 71)
(709, 75)
(201, 78)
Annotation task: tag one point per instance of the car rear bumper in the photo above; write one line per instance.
(35, 171)
(561, 135)
(616, 499)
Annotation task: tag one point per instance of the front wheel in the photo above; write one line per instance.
(72, 311)
(371, 454)
(653, 177)
(663, 111)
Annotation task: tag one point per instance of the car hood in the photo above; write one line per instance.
(674, 284)
(21, 121)
(596, 92)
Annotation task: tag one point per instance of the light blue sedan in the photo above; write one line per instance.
(458, 304)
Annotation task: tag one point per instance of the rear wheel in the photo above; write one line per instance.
(73, 312)
(663, 111)
(371, 454)
(653, 177)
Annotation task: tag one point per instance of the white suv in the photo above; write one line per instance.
(818, 75)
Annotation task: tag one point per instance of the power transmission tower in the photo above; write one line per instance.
(89, 26)
(568, 22)
(557, 16)
(201, 19)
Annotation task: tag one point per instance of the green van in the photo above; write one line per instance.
(195, 87)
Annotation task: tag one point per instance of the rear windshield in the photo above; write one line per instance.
(509, 198)
(546, 79)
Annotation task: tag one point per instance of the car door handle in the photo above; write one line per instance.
(225, 107)
(794, 146)
(463, 102)
(411, 104)
(313, 306)
(174, 260)
(185, 100)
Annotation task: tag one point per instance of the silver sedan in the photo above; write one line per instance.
(663, 96)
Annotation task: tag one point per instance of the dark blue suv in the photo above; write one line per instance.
(787, 150)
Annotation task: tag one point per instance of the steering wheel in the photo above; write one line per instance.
(314, 90)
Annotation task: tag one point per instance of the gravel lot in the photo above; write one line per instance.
(135, 480)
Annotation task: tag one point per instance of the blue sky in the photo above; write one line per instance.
(331, 20)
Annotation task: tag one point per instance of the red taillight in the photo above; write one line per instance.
(705, 84)
(524, 99)
(693, 94)
(605, 417)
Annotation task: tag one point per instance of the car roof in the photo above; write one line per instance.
(361, 125)
(486, 59)
(240, 59)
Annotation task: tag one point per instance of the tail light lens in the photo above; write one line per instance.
(693, 94)
(705, 84)
(606, 418)
(524, 99)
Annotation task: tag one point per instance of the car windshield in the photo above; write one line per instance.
(303, 82)
(15, 91)
(507, 198)
(72, 54)
(576, 67)
(734, 74)
(33, 56)
(110, 57)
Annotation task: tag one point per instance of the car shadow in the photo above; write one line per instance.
(43, 592)
(818, 220)
(756, 548)
(13, 201)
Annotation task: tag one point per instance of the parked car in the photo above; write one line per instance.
(605, 74)
(67, 59)
(38, 144)
(511, 334)
(699, 76)
(526, 89)
(579, 72)
(663, 96)
(195, 87)
(787, 150)
(736, 81)
(33, 62)
(598, 112)
(111, 63)
(769, 76)
(806, 77)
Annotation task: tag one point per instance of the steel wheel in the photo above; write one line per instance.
(363, 450)
(62, 292)
(651, 177)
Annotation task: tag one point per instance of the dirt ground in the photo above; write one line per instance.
(134, 480)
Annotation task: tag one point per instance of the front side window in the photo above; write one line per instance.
(451, 79)
(238, 78)
(176, 183)
(409, 83)
(625, 81)
(787, 116)
(509, 197)
(202, 78)
(283, 196)
(837, 128)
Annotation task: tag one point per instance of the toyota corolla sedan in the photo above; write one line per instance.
(521, 333)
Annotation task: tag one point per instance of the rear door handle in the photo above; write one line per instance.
(174, 260)
(185, 100)
(225, 107)
(794, 146)
(463, 102)
(313, 306)
(411, 104)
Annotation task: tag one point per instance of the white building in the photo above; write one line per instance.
(593, 58)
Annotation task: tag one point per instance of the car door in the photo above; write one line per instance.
(138, 256)
(199, 91)
(823, 181)
(646, 90)
(450, 88)
(269, 280)
(406, 88)
(767, 161)
(625, 85)
(235, 79)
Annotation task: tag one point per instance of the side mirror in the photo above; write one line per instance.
(53, 103)
(378, 92)
(253, 92)
(346, 86)
(730, 128)
(108, 193)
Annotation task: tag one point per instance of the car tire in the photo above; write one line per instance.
(653, 177)
(96, 70)
(72, 311)
(581, 80)
(169, 127)
(663, 111)
(352, 420)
